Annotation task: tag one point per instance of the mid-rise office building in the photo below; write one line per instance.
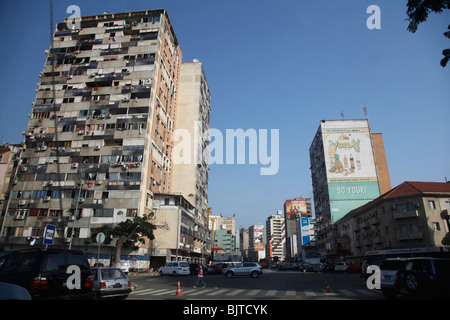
(99, 142)
(348, 169)
(294, 210)
(256, 249)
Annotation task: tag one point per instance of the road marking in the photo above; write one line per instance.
(348, 292)
(164, 292)
(218, 292)
(198, 292)
(253, 292)
(290, 293)
(367, 291)
(141, 291)
(235, 292)
(310, 293)
(271, 293)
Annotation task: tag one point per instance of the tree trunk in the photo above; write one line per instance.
(118, 250)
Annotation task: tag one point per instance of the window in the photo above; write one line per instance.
(103, 212)
(431, 204)
(436, 226)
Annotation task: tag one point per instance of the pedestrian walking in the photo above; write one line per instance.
(200, 277)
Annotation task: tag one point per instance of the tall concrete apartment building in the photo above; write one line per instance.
(275, 237)
(190, 175)
(348, 169)
(98, 146)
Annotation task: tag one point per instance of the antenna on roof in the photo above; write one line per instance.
(366, 113)
(342, 115)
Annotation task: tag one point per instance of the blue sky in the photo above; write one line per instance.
(276, 65)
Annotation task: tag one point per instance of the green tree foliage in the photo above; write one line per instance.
(129, 234)
(418, 11)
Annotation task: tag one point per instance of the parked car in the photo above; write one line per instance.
(252, 269)
(125, 266)
(353, 268)
(388, 276)
(340, 267)
(111, 282)
(429, 276)
(175, 268)
(44, 273)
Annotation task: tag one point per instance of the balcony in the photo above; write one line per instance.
(409, 236)
(406, 214)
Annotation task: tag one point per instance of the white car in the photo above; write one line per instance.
(341, 267)
(125, 266)
(175, 268)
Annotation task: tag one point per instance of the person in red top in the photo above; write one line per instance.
(200, 276)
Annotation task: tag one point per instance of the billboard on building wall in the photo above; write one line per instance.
(305, 230)
(350, 165)
(296, 209)
(258, 239)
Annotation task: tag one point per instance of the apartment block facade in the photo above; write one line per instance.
(411, 219)
(348, 169)
(98, 145)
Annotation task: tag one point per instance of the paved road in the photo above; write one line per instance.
(273, 284)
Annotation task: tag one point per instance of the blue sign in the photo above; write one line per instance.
(49, 234)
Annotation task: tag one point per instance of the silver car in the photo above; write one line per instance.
(388, 276)
(111, 282)
(252, 269)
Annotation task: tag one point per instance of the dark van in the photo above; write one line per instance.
(44, 273)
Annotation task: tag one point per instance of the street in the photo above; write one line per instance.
(272, 285)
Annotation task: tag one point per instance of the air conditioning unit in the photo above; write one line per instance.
(125, 99)
(43, 148)
(97, 148)
(24, 169)
(72, 218)
(22, 202)
(74, 165)
(48, 198)
(98, 182)
(50, 183)
(81, 200)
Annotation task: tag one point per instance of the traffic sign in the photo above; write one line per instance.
(49, 234)
(100, 237)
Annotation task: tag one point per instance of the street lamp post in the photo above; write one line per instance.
(75, 218)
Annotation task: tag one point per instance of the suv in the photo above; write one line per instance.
(44, 273)
(424, 275)
(175, 268)
(252, 269)
(388, 276)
